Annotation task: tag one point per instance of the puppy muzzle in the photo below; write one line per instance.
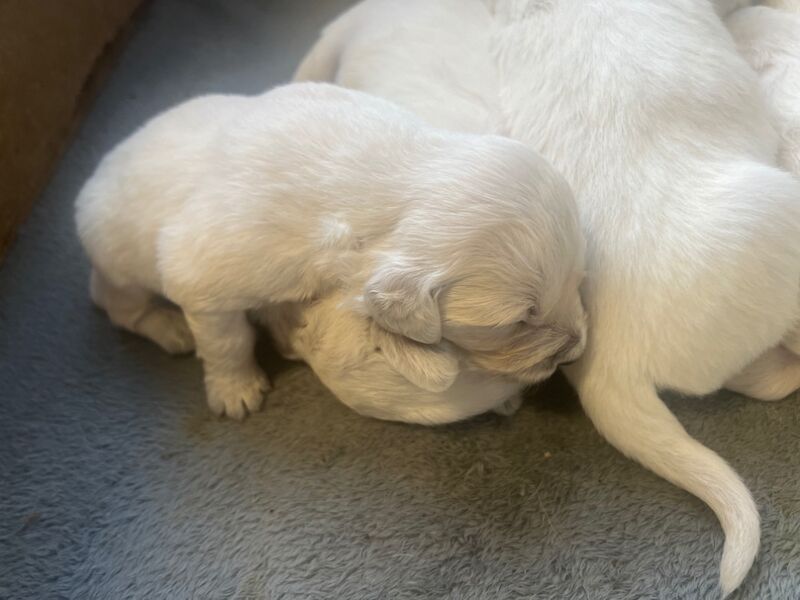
(530, 363)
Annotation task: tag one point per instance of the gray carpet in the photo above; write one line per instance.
(115, 482)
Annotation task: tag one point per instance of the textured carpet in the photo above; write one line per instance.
(115, 482)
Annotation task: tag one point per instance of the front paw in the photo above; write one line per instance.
(236, 395)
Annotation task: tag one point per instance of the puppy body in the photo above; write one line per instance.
(769, 39)
(361, 366)
(225, 203)
(693, 251)
(430, 57)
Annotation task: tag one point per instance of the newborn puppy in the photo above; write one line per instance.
(226, 203)
(381, 375)
(769, 39)
(453, 83)
(694, 252)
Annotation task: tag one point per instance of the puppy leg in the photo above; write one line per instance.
(135, 309)
(234, 382)
(509, 406)
(772, 376)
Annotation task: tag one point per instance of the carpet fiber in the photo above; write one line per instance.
(115, 481)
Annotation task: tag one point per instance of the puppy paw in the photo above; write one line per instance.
(510, 406)
(235, 396)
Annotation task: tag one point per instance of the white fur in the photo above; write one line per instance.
(694, 247)
(361, 365)
(226, 203)
(438, 46)
(694, 244)
(769, 39)
(787, 5)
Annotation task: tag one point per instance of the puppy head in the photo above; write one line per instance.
(334, 340)
(492, 261)
(519, 320)
(512, 298)
(380, 374)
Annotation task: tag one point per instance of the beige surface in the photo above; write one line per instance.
(49, 50)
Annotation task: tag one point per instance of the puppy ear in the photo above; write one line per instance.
(404, 302)
(429, 367)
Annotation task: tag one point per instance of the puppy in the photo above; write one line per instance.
(381, 375)
(453, 81)
(769, 39)
(226, 203)
(693, 254)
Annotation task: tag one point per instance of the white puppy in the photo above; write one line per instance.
(693, 233)
(769, 38)
(364, 367)
(225, 203)
(694, 254)
(429, 56)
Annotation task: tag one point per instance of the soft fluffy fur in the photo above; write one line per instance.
(694, 246)
(369, 46)
(364, 367)
(769, 38)
(694, 252)
(225, 203)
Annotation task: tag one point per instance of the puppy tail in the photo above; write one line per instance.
(635, 420)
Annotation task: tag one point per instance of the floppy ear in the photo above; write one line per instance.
(404, 302)
(429, 367)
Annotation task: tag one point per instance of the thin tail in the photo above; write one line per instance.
(635, 420)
